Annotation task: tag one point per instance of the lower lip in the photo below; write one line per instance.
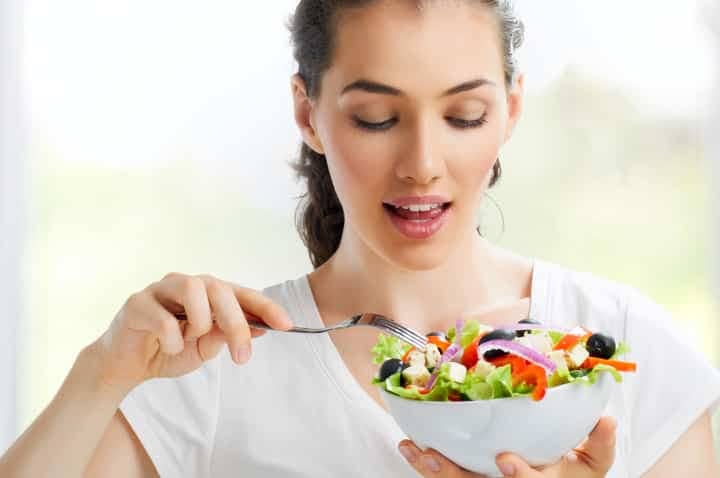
(418, 229)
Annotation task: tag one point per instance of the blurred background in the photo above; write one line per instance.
(155, 137)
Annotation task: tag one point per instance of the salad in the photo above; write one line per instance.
(473, 361)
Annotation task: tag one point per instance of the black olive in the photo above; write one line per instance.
(521, 333)
(390, 367)
(437, 334)
(498, 334)
(601, 345)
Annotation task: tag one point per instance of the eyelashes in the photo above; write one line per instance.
(458, 123)
(381, 126)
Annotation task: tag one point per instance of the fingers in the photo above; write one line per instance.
(178, 291)
(511, 465)
(230, 318)
(146, 314)
(262, 307)
(431, 463)
(205, 298)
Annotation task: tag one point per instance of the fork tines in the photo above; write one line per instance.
(407, 334)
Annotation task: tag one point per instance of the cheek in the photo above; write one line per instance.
(474, 158)
(358, 166)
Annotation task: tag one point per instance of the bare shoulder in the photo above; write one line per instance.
(120, 453)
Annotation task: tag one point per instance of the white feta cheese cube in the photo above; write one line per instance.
(577, 355)
(483, 368)
(540, 342)
(432, 355)
(558, 358)
(416, 375)
(524, 340)
(457, 372)
(416, 358)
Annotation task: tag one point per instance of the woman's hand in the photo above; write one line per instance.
(145, 340)
(592, 459)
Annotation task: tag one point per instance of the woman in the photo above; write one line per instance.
(403, 107)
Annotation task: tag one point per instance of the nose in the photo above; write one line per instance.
(419, 161)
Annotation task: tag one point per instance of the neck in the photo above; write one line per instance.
(475, 276)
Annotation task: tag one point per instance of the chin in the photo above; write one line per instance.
(420, 258)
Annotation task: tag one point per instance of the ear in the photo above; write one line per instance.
(515, 104)
(303, 114)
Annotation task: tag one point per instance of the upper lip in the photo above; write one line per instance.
(410, 200)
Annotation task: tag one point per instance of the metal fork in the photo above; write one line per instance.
(369, 320)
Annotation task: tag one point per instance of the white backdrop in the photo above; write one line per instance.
(203, 86)
(12, 208)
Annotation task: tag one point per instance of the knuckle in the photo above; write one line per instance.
(206, 278)
(135, 301)
(190, 285)
(171, 276)
(212, 285)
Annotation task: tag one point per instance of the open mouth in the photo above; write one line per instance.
(419, 212)
(418, 221)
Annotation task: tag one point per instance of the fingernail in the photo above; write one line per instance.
(408, 453)
(430, 463)
(242, 354)
(508, 469)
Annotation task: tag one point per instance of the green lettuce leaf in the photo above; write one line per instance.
(555, 336)
(388, 347)
(589, 377)
(470, 330)
(500, 380)
(621, 349)
(451, 334)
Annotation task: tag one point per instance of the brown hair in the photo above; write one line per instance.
(319, 217)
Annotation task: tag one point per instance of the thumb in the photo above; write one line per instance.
(597, 452)
(513, 466)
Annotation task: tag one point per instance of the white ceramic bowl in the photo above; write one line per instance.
(473, 433)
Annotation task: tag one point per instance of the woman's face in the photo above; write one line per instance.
(412, 113)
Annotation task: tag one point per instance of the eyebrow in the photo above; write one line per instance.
(369, 86)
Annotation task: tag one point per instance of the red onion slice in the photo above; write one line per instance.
(520, 350)
(449, 354)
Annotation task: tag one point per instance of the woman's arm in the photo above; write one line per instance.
(64, 438)
(693, 454)
(81, 430)
(120, 453)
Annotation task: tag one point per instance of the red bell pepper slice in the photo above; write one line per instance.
(533, 375)
(569, 341)
(517, 364)
(470, 355)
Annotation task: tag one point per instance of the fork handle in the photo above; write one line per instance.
(252, 320)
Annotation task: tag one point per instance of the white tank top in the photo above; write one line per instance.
(296, 411)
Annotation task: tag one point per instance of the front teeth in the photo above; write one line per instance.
(421, 207)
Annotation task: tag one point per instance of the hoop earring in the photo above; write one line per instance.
(497, 206)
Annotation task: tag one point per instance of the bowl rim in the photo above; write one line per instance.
(604, 376)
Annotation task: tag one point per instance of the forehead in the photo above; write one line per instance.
(417, 46)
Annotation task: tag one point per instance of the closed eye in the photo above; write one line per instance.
(381, 126)
(459, 123)
(464, 124)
